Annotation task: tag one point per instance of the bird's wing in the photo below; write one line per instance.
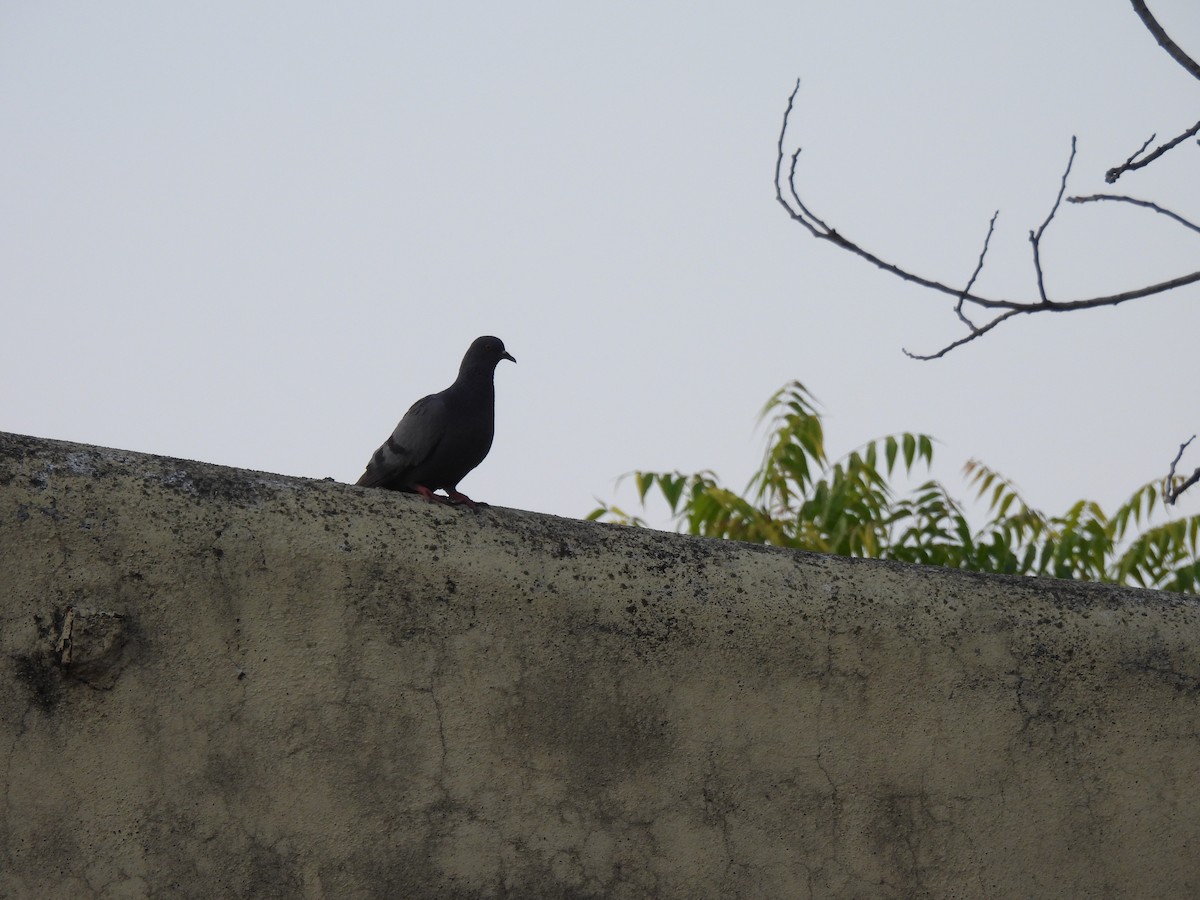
(412, 443)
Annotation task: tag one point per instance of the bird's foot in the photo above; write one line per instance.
(458, 497)
(429, 495)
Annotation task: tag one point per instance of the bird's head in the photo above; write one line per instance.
(485, 354)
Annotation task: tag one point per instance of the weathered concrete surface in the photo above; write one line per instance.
(291, 688)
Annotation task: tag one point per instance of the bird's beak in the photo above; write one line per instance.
(508, 356)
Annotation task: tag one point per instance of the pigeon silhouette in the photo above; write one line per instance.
(444, 436)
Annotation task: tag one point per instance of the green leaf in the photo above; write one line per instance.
(672, 489)
(926, 448)
(644, 481)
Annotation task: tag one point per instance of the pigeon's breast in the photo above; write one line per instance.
(464, 444)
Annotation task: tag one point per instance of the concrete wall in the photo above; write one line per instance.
(225, 683)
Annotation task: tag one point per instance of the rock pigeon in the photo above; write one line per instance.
(444, 436)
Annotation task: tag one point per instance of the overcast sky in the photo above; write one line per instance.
(254, 233)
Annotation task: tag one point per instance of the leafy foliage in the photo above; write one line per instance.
(850, 507)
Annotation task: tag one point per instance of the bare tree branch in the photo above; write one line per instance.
(1171, 490)
(1146, 203)
(1138, 152)
(799, 212)
(1134, 163)
(805, 215)
(975, 333)
(1190, 65)
(978, 268)
(1036, 238)
(1164, 39)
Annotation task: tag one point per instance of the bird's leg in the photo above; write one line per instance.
(429, 495)
(460, 497)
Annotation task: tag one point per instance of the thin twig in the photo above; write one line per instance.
(978, 268)
(801, 213)
(779, 157)
(1134, 163)
(978, 332)
(1035, 238)
(1172, 491)
(1145, 203)
(1142, 149)
(825, 230)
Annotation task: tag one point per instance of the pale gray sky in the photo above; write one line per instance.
(253, 234)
